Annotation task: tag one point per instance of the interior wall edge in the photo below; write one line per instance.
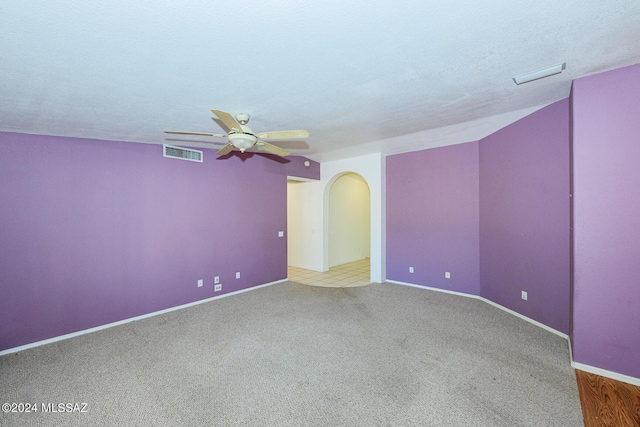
(606, 373)
(129, 320)
(528, 319)
(488, 301)
(430, 288)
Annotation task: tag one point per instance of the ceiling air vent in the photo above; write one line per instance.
(182, 153)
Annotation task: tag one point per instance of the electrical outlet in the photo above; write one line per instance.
(524, 295)
(217, 288)
(237, 274)
(447, 275)
(410, 269)
(200, 283)
(216, 279)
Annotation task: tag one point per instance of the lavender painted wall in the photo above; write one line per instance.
(432, 217)
(295, 168)
(93, 232)
(606, 219)
(524, 216)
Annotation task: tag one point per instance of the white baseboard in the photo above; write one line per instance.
(413, 285)
(528, 319)
(591, 369)
(570, 350)
(515, 313)
(609, 374)
(131, 319)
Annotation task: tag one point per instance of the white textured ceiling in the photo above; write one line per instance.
(360, 76)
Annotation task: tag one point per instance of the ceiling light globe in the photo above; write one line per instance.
(242, 141)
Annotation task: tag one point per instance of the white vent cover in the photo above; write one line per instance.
(181, 153)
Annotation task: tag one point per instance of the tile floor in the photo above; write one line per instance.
(341, 276)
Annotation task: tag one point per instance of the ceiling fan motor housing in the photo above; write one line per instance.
(242, 118)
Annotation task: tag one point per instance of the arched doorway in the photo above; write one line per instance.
(347, 231)
(349, 220)
(310, 208)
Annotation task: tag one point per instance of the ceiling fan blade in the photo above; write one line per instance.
(225, 150)
(265, 146)
(228, 120)
(178, 132)
(284, 134)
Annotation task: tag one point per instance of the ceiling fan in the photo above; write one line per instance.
(242, 138)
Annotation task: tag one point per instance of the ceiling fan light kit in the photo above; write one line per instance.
(540, 74)
(242, 141)
(242, 138)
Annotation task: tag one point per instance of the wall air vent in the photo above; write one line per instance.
(181, 153)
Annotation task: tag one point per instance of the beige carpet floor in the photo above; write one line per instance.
(296, 355)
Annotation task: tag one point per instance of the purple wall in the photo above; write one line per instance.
(495, 213)
(295, 167)
(524, 216)
(93, 232)
(524, 179)
(432, 217)
(606, 219)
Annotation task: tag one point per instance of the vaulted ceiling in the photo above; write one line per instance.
(360, 76)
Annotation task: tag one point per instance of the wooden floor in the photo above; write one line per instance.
(606, 402)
